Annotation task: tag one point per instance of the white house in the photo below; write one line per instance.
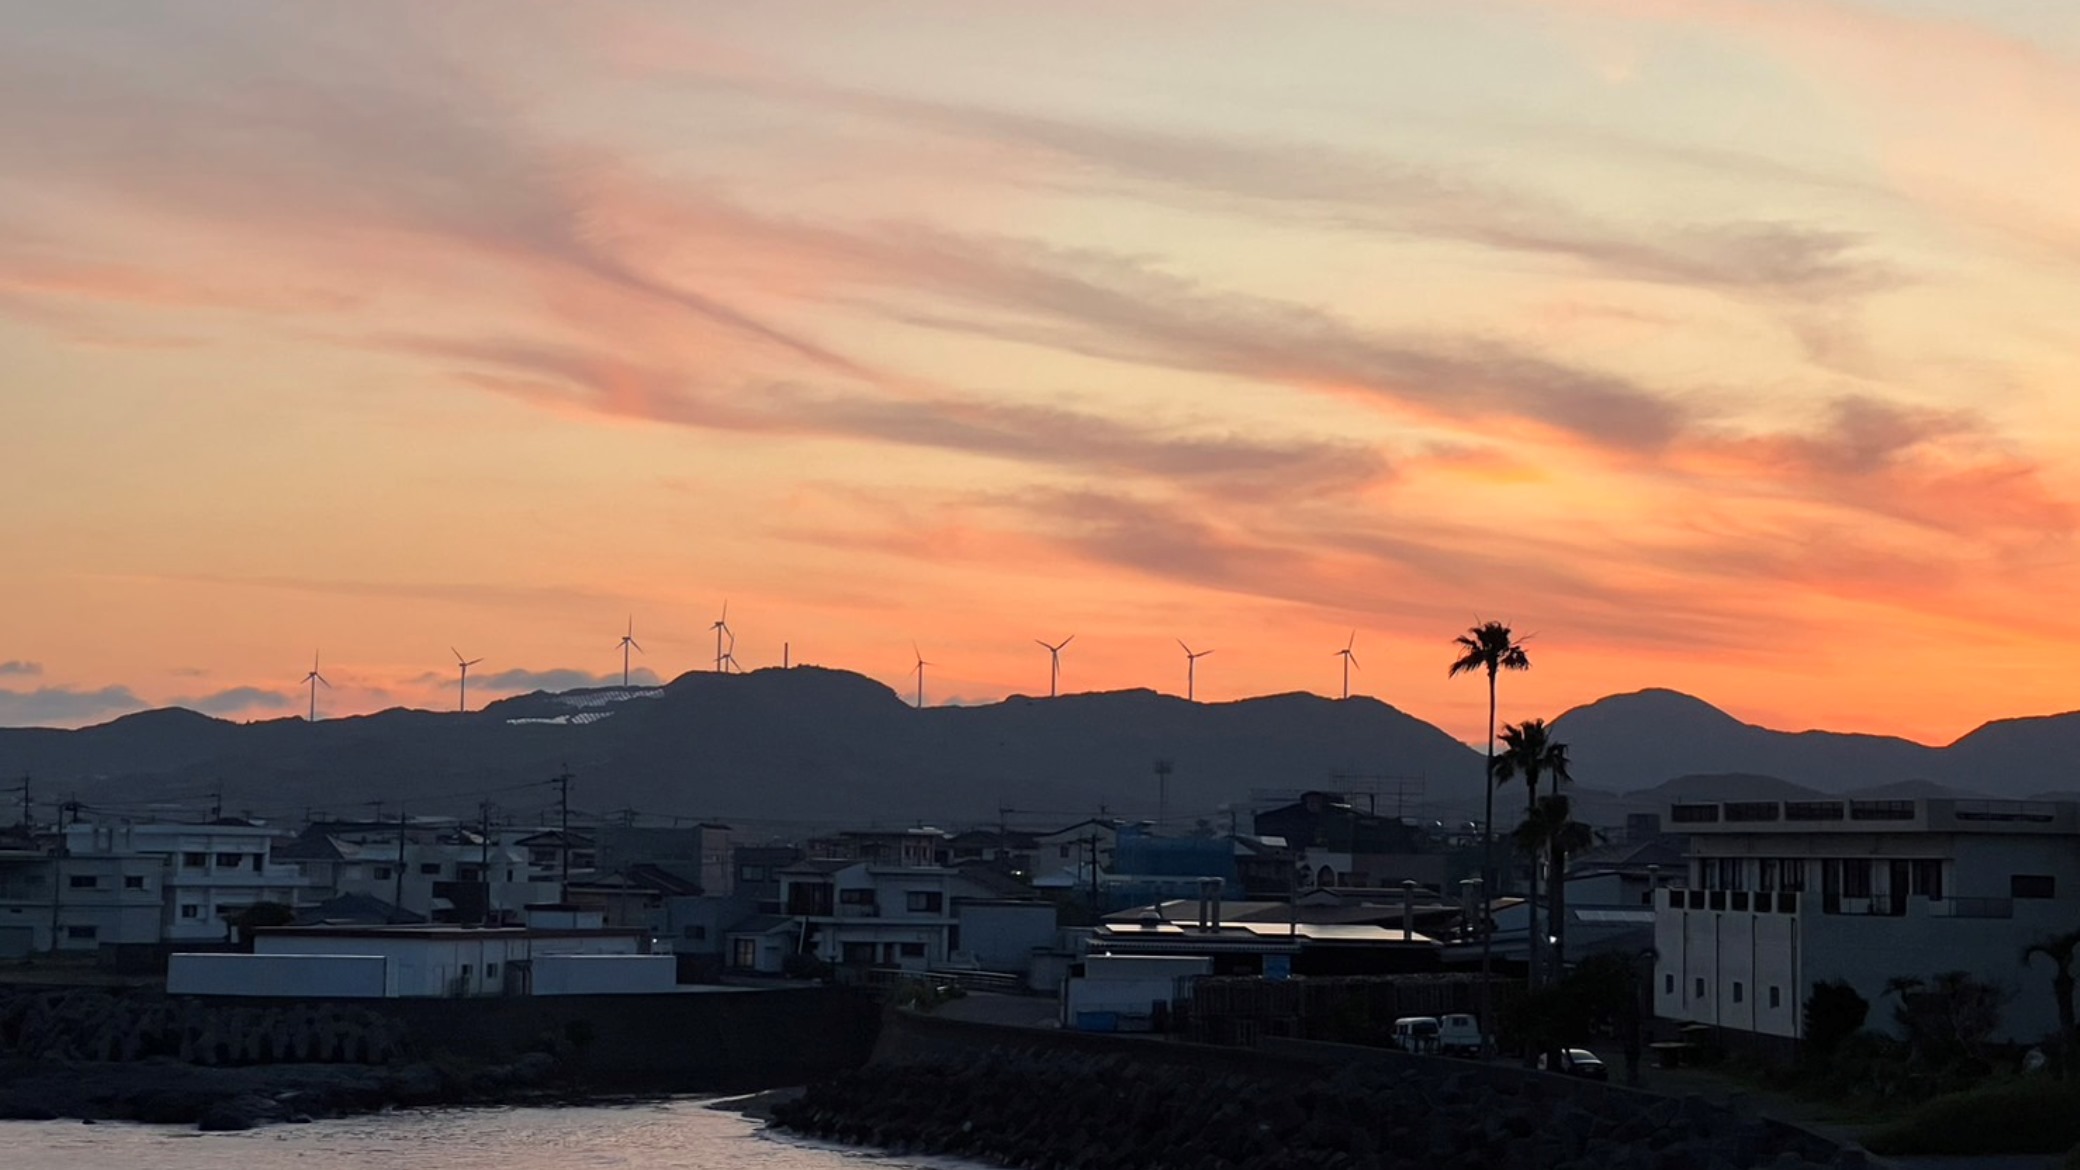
(1785, 894)
(858, 913)
(207, 873)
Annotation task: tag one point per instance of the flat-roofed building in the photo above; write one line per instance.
(1781, 895)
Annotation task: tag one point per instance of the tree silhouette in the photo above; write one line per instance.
(1551, 833)
(1488, 647)
(1529, 752)
(2059, 950)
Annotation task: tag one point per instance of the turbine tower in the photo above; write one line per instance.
(462, 686)
(628, 642)
(1349, 660)
(1191, 671)
(919, 668)
(720, 625)
(312, 680)
(1054, 664)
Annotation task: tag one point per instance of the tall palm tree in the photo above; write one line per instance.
(1530, 752)
(2059, 949)
(1492, 648)
(1551, 833)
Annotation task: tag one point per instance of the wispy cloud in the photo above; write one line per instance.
(16, 667)
(65, 706)
(233, 700)
(558, 679)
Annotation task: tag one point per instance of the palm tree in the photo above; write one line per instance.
(1529, 751)
(1492, 648)
(1551, 832)
(2059, 949)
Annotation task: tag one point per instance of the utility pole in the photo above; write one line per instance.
(1092, 841)
(484, 864)
(27, 822)
(216, 803)
(398, 901)
(58, 869)
(562, 780)
(1163, 770)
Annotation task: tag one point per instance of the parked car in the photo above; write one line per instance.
(1577, 1062)
(1459, 1034)
(1416, 1034)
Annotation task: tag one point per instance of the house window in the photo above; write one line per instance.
(1766, 875)
(1856, 877)
(82, 881)
(913, 950)
(191, 911)
(1737, 991)
(491, 970)
(1732, 874)
(2032, 885)
(864, 897)
(1061, 851)
(430, 868)
(133, 881)
(925, 901)
(1668, 985)
(1776, 996)
(194, 860)
(1791, 874)
(228, 860)
(80, 933)
(743, 953)
(857, 954)
(1928, 879)
(382, 873)
(465, 970)
(751, 873)
(1700, 987)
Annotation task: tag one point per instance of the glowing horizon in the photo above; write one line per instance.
(1721, 345)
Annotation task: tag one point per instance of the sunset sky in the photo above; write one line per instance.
(1723, 345)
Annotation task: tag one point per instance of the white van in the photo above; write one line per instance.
(1416, 1034)
(1460, 1035)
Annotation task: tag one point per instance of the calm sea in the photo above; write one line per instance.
(653, 1136)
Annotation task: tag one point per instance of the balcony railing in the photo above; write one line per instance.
(1881, 810)
(1813, 810)
(1691, 814)
(1752, 810)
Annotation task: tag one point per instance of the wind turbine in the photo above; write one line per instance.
(312, 680)
(462, 687)
(1054, 667)
(729, 656)
(1191, 671)
(1349, 660)
(627, 642)
(921, 664)
(721, 627)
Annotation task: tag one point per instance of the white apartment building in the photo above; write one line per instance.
(857, 913)
(206, 874)
(1785, 894)
(440, 872)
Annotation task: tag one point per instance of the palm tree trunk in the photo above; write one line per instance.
(1532, 931)
(1488, 887)
(1556, 905)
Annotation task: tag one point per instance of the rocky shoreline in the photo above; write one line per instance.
(168, 1092)
(1057, 1110)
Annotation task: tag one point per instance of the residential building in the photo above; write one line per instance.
(859, 913)
(436, 870)
(633, 897)
(895, 847)
(1068, 856)
(1781, 895)
(1343, 847)
(698, 855)
(207, 875)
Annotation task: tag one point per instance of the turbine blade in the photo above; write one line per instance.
(1187, 649)
(321, 678)
(636, 644)
(1069, 639)
(1353, 641)
(1042, 645)
(1354, 663)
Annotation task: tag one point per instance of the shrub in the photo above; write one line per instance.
(1834, 1012)
(2035, 1116)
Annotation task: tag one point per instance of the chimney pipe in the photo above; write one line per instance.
(1213, 918)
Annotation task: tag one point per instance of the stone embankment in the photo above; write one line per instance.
(94, 1055)
(1068, 1110)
